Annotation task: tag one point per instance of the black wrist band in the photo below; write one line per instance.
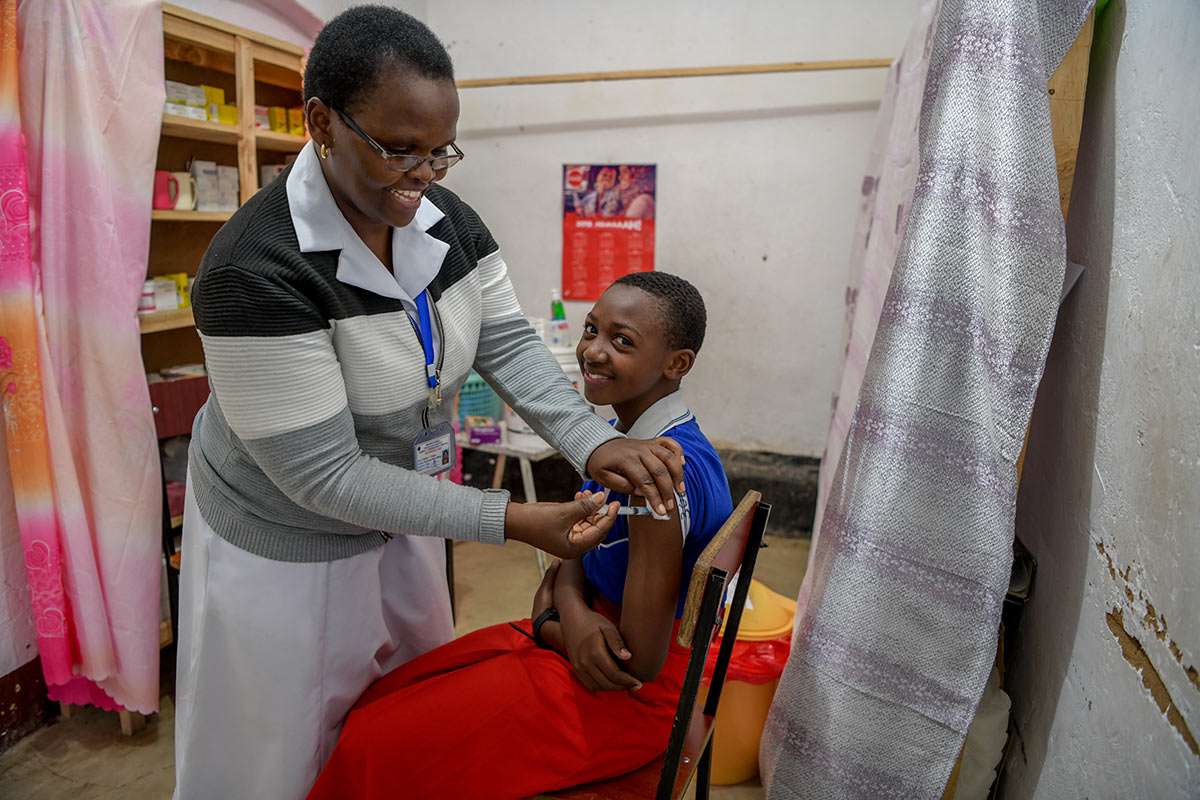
(549, 615)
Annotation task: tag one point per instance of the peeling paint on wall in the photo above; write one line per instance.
(1154, 622)
(1133, 652)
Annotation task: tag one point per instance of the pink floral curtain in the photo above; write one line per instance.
(83, 91)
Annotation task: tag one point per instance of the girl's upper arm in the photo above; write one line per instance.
(652, 583)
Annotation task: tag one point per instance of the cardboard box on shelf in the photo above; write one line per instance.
(267, 173)
(213, 95)
(166, 294)
(261, 121)
(180, 279)
(196, 97)
(296, 121)
(277, 116)
(177, 92)
(208, 192)
(180, 110)
(224, 114)
(227, 187)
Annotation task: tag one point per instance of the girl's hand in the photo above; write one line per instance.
(543, 598)
(565, 530)
(651, 468)
(592, 640)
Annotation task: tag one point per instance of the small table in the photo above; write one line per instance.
(526, 448)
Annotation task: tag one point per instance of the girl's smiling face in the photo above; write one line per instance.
(624, 356)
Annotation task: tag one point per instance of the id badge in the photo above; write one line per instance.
(434, 450)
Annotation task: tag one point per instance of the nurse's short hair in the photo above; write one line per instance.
(681, 314)
(353, 49)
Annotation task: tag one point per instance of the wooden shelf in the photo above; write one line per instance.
(172, 215)
(209, 32)
(165, 635)
(154, 321)
(280, 142)
(199, 130)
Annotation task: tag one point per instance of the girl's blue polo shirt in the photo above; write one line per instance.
(702, 510)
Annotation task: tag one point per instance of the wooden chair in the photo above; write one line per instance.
(732, 552)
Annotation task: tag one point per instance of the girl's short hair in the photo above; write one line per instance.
(682, 313)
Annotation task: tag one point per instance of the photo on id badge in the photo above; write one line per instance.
(434, 450)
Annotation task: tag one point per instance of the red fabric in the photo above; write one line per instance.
(493, 715)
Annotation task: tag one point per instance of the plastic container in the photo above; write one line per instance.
(569, 363)
(763, 642)
(477, 399)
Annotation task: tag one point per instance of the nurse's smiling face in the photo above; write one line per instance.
(405, 113)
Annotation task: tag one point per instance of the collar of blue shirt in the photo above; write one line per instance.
(666, 413)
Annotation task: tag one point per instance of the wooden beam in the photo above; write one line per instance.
(1067, 88)
(680, 72)
(247, 152)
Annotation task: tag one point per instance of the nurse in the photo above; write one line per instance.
(341, 308)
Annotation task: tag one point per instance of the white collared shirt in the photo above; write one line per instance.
(320, 226)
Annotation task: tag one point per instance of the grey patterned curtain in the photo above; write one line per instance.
(955, 283)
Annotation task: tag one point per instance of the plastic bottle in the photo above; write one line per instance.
(556, 305)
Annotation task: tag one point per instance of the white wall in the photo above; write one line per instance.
(295, 21)
(1111, 497)
(758, 176)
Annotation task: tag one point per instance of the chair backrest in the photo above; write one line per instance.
(733, 551)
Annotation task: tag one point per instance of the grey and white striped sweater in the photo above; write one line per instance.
(303, 451)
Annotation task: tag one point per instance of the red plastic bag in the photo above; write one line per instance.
(751, 662)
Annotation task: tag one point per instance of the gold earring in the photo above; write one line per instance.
(324, 150)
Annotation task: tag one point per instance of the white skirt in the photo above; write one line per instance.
(272, 654)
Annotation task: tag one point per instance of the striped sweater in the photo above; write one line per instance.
(303, 450)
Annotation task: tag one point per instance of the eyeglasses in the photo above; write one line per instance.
(404, 162)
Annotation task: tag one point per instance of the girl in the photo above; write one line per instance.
(587, 687)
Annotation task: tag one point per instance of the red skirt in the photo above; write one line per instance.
(492, 715)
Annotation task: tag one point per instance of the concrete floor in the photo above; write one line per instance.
(86, 757)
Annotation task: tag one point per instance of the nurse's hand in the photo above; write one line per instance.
(652, 468)
(566, 530)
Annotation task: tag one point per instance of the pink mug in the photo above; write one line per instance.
(166, 189)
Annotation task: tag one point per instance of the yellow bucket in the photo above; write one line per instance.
(742, 711)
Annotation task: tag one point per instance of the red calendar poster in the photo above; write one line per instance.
(608, 225)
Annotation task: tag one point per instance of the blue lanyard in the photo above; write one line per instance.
(431, 372)
(427, 338)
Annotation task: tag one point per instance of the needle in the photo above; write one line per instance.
(638, 511)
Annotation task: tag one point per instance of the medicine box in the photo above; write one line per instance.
(224, 114)
(227, 186)
(180, 110)
(296, 121)
(213, 95)
(267, 173)
(277, 115)
(177, 92)
(208, 192)
(166, 294)
(484, 430)
(196, 97)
